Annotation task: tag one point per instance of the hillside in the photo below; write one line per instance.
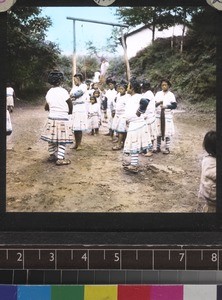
(192, 72)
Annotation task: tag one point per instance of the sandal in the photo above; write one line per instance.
(156, 150)
(125, 163)
(130, 168)
(148, 154)
(166, 151)
(116, 147)
(61, 162)
(52, 158)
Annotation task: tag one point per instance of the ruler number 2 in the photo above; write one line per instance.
(19, 256)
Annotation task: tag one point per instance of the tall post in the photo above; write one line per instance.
(74, 52)
(125, 56)
(97, 22)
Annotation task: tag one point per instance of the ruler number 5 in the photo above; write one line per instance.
(19, 256)
(116, 257)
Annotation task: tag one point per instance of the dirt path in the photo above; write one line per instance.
(95, 180)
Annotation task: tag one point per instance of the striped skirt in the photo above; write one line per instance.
(57, 131)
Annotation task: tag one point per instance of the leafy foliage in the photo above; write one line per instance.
(29, 55)
(192, 72)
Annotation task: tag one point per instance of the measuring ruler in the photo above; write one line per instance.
(35, 264)
(110, 258)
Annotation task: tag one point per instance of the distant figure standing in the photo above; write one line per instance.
(94, 116)
(137, 138)
(10, 97)
(207, 191)
(150, 115)
(111, 94)
(8, 123)
(96, 77)
(78, 96)
(119, 121)
(165, 103)
(57, 131)
(103, 69)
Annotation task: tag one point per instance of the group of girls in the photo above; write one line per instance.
(139, 119)
(142, 120)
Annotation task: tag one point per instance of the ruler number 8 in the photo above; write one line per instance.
(214, 257)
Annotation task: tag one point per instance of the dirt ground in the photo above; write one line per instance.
(95, 180)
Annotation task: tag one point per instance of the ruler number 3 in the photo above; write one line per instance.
(52, 256)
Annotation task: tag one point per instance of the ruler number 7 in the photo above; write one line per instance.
(182, 256)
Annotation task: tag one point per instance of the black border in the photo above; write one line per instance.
(84, 224)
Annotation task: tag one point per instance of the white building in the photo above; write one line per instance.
(142, 37)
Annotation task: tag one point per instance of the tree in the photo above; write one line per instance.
(152, 17)
(29, 55)
(158, 18)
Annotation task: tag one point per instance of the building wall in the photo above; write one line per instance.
(143, 38)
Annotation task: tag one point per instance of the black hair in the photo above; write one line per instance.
(110, 80)
(167, 81)
(79, 75)
(96, 91)
(55, 77)
(123, 83)
(93, 97)
(88, 81)
(146, 85)
(135, 85)
(209, 143)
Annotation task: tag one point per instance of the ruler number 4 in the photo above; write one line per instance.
(84, 257)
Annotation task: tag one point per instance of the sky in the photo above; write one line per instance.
(61, 31)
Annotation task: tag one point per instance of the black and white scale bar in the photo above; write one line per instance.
(110, 259)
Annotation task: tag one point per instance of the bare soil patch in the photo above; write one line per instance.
(95, 180)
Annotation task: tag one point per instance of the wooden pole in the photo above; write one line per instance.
(125, 56)
(74, 52)
(74, 41)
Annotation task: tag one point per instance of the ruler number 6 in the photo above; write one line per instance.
(19, 256)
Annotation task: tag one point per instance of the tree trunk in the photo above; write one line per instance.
(183, 30)
(182, 38)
